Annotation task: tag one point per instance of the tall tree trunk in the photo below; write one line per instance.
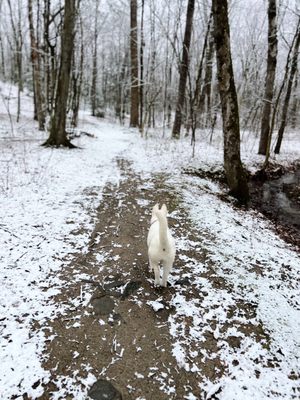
(18, 39)
(46, 56)
(51, 60)
(235, 174)
(270, 77)
(77, 79)
(167, 78)
(38, 95)
(198, 98)
(134, 104)
(95, 67)
(142, 44)
(121, 94)
(288, 91)
(2, 50)
(295, 105)
(58, 135)
(208, 81)
(183, 69)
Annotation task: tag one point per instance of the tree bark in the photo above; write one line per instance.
(51, 59)
(235, 174)
(142, 44)
(270, 77)
(288, 91)
(134, 103)
(18, 39)
(206, 93)
(95, 68)
(183, 69)
(197, 99)
(35, 61)
(121, 92)
(77, 80)
(58, 135)
(295, 105)
(3, 67)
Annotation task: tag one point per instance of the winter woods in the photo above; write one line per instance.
(155, 64)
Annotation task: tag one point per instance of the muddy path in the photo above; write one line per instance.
(118, 327)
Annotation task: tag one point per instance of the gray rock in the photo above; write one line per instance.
(130, 288)
(104, 390)
(103, 305)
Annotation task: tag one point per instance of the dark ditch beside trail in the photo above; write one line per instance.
(274, 192)
(278, 198)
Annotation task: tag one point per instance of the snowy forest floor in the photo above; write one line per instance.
(77, 300)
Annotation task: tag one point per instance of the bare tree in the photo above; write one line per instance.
(270, 77)
(197, 99)
(205, 99)
(134, 105)
(295, 103)
(183, 69)
(51, 33)
(77, 76)
(95, 67)
(19, 41)
(142, 44)
(3, 67)
(58, 135)
(36, 71)
(235, 174)
(289, 90)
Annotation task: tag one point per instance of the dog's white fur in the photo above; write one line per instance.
(161, 245)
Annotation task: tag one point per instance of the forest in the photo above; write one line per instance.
(108, 107)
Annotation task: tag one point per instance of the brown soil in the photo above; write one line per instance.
(131, 346)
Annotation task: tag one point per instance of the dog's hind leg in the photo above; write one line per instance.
(150, 265)
(166, 270)
(156, 268)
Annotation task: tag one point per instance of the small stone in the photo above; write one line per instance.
(103, 305)
(130, 288)
(104, 390)
(184, 281)
(114, 284)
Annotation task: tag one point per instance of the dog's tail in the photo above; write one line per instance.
(163, 225)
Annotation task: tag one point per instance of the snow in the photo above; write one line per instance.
(48, 195)
(156, 305)
(44, 198)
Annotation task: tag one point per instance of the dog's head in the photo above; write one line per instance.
(163, 209)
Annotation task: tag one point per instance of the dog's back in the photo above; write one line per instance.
(161, 245)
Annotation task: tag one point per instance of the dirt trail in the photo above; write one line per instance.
(118, 336)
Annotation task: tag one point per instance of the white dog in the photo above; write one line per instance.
(161, 245)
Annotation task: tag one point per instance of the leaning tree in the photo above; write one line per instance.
(58, 135)
(235, 174)
(183, 69)
(270, 77)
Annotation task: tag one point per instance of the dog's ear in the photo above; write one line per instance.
(164, 209)
(155, 208)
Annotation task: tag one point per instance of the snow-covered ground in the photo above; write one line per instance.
(47, 195)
